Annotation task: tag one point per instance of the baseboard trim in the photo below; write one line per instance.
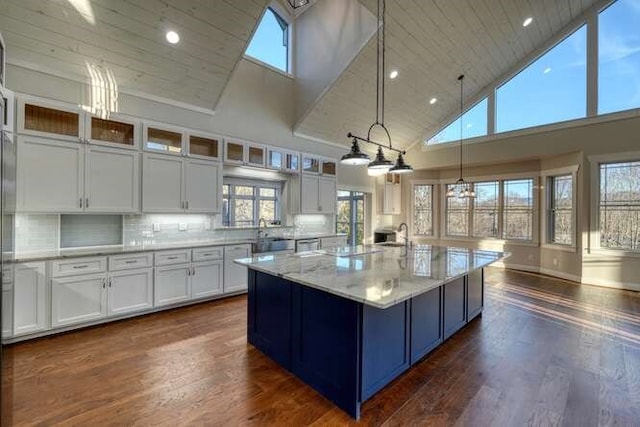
(611, 284)
(560, 274)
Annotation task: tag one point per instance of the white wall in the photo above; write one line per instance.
(328, 37)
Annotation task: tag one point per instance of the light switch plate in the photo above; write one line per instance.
(156, 226)
(182, 226)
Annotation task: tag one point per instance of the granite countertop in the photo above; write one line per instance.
(43, 255)
(120, 249)
(380, 277)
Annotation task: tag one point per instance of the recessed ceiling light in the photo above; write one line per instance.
(527, 21)
(172, 37)
(433, 101)
(393, 74)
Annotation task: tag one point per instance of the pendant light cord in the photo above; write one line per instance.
(380, 62)
(461, 79)
(384, 48)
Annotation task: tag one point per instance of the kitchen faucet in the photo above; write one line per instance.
(261, 221)
(406, 234)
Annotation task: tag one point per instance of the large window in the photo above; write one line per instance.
(474, 124)
(518, 209)
(244, 202)
(500, 209)
(457, 215)
(350, 216)
(619, 57)
(423, 209)
(485, 209)
(560, 212)
(620, 205)
(270, 43)
(551, 89)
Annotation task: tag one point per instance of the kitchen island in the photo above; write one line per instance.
(349, 320)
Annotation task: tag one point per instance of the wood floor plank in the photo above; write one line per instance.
(545, 352)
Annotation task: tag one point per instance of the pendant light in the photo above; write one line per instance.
(355, 156)
(380, 164)
(461, 188)
(298, 3)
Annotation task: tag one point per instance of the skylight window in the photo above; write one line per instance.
(270, 43)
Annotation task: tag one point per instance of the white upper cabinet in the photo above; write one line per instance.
(163, 138)
(390, 195)
(68, 122)
(245, 153)
(117, 130)
(282, 160)
(49, 175)
(327, 195)
(8, 121)
(51, 119)
(203, 180)
(172, 184)
(66, 177)
(162, 183)
(309, 195)
(204, 146)
(112, 180)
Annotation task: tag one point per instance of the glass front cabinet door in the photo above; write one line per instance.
(204, 146)
(163, 139)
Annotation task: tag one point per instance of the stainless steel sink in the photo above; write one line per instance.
(273, 244)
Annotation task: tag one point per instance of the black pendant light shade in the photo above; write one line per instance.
(401, 167)
(381, 162)
(355, 156)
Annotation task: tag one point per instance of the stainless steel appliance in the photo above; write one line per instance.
(306, 245)
(273, 244)
(384, 235)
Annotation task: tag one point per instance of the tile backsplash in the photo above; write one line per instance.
(43, 232)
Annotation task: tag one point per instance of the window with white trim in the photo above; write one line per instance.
(474, 124)
(270, 42)
(486, 209)
(619, 208)
(457, 215)
(560, 209)
(423, 209)
(517, 209)
(245, 201)
(501, 209)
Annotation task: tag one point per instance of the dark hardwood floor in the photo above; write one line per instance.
(545, 352)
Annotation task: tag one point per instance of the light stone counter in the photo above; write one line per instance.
(380, 277)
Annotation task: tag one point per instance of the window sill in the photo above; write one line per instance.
(492, 241)
(613, 253)
(557, 247)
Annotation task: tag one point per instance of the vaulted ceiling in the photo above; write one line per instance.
(125, 40)
(430, 43)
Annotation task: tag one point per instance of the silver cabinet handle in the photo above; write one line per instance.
(81, 266)
(172, 257)
(104, 283)
(86, 203)
(187, 202)
(131, 262)
(189, 271)
(110, 281)
(80, 201)
(193, 271)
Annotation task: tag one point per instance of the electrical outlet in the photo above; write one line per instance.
(555, 262)
(156, 226)
(182, 227)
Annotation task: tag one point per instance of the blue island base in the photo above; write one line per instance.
(347, 350)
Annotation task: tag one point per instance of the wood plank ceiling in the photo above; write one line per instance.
(127, 39)
(431, 42)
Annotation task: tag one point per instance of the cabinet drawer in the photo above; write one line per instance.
(205, 254)
(75, 266)
(126, 262)
(332, 242)
(172, 257)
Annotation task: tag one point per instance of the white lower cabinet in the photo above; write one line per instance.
(206, 278)
(29, 298)
(129, 291)
(7, 310)
(78, 299)
(172, 284)
(235, 275)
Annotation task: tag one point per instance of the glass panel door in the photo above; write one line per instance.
(206, 147)
(310, 164)
(235, 152)
(350, 216)
(275, 159)
(112, 131)
(164, 140)
(49, 120)
(256, 156)
(329, 168)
